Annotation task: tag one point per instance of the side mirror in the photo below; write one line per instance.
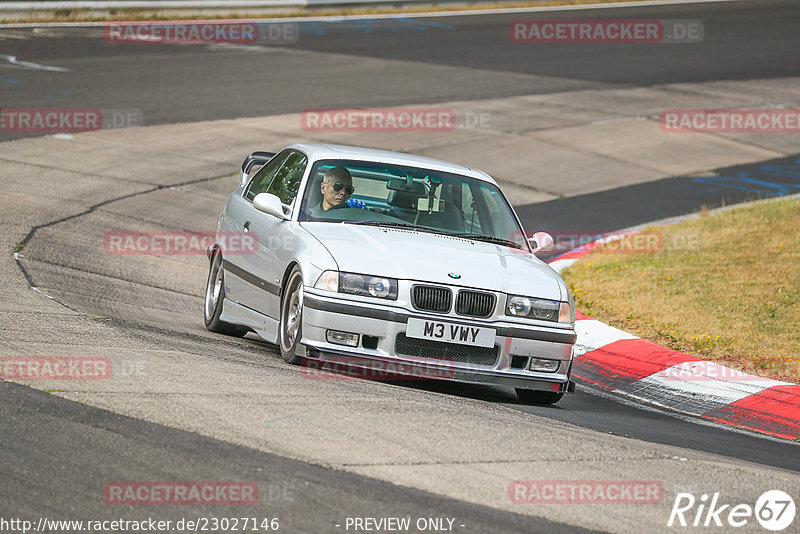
(541, 242)
(270, 204)
(256, 158)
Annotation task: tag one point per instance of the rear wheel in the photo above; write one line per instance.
(532, 396)
(215, 294)
(291, 317)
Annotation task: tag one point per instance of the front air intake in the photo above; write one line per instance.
(432, 298)
(475, 303)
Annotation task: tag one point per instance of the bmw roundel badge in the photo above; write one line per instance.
(454, 275)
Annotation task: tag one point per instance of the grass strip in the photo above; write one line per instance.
(723, 287)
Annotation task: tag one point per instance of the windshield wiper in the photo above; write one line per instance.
(477, 237)
(487, 238)
(393, 224)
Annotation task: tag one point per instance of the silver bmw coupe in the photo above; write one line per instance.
(392, 263)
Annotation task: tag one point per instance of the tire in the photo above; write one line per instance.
(291, 326)
(215, 295)
(532, 396)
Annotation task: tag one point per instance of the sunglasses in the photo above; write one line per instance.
(338, 186)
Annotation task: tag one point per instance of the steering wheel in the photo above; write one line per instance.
(349, 204)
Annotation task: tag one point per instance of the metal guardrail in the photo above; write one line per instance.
(50, 10)
(44, 10)
(192, 5)
(39, 5)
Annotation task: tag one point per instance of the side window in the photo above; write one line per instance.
(264, 176)
(286, 182)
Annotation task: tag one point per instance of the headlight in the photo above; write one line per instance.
(379, 287)
(358, 284)
(542, 309)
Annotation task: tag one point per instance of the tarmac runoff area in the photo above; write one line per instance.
(143, 313)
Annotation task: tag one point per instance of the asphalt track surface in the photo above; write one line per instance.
(447, 58)
(180, 84)
(93, 446)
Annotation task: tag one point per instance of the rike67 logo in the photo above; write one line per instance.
(774, 510)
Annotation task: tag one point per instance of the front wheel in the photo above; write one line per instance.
(215, 294)
(291, 317)
(531, 396)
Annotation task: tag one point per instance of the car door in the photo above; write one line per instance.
(263, 270)
(243, 285)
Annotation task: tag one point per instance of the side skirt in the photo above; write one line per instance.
(265, 327)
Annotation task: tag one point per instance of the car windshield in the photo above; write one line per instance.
(381, 194)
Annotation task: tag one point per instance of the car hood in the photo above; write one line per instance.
(410, 255)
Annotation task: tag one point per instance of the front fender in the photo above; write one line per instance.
(296, 245)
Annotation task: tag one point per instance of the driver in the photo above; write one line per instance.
(337, 186)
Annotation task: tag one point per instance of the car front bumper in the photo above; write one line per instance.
(381, 324)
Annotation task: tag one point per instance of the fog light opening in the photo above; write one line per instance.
(543, 365)
(519, 362)
(369, 342)
(341, 338)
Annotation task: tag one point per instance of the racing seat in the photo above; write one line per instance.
(314, 200)
(450, 219)
(403, 203)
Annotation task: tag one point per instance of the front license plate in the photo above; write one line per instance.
(450, 332)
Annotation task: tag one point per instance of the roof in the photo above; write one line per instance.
(316, 151)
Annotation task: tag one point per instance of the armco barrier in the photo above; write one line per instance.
(37, 10)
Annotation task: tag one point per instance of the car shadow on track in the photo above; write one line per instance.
(494, 394)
